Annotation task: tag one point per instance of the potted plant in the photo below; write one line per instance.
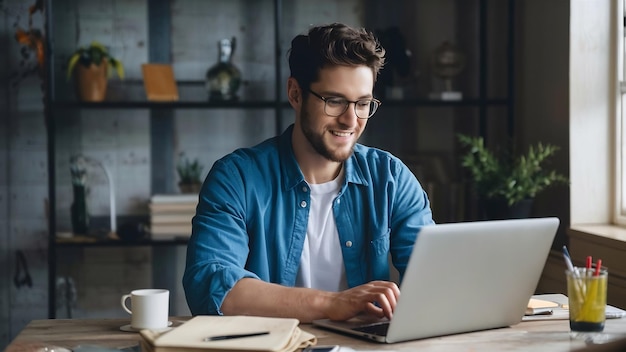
(507, 184)
(92, 64)
(189, 173)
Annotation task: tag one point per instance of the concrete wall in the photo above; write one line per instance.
(23, 179)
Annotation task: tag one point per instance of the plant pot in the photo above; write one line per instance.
(91, 82)
(190, 187)
(498, 209)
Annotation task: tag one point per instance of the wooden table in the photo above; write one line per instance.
(547, 335)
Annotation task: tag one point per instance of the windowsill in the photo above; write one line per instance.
(604, 241)
(606, 232)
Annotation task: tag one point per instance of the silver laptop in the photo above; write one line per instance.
(463, 277)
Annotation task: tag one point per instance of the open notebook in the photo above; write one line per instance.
(229, 333)
(464, 277)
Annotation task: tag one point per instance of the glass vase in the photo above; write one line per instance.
(80, 215)
(224, 78)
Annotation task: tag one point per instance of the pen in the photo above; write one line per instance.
(598, 266)
(570, 267)
(238, 336)
(568, 261)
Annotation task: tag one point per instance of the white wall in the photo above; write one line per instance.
(592, 78)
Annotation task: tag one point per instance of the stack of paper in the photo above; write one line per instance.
(229, 333)
(541, 306)
(171, 214)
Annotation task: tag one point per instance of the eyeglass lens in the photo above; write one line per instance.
(363, 108)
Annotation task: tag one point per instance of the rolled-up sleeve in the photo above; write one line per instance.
(218, 247)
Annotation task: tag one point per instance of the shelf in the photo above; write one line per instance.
(130, 95)
(473, 102)
(85, 241)
(262, 104)
(168, 105)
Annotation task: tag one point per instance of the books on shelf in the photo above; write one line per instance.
(159, 82)
(165, 218)
(172, 208)
(171, 215)
(171, 230)
(211, 332)
(174, 198)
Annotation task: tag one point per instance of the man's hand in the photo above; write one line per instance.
(255, 297)
(376, 298)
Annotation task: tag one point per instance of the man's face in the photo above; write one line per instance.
(334, 137)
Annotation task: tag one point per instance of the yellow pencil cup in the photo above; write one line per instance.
(587, 299)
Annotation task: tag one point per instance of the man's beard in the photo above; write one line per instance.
(317, 141)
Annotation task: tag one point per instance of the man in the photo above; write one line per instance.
(302, 224)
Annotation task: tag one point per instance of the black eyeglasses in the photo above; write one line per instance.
(335, 106)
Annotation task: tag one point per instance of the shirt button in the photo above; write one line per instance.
(338, 201)
(303, 204)
(304, 189)
(348, 244)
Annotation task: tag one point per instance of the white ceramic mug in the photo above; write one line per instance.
(149, 308)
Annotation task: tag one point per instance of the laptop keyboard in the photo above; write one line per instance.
(379, 329)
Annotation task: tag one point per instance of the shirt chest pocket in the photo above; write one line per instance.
(379, 245)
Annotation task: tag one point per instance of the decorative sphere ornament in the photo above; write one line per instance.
(448, 62)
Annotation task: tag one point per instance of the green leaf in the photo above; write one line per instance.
(72, 63)
(189, 172)
(95, 53)
(505, 175)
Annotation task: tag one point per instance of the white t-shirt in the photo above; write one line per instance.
(321, 264)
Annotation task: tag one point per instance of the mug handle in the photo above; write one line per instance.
(124, 298)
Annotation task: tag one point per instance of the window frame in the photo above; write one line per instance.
(619, 214)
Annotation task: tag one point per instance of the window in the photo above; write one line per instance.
(620, 116)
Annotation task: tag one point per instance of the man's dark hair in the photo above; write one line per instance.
(333, 44)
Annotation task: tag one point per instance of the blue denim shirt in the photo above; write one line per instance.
(253, 211)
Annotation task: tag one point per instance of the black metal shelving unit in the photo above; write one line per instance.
(50, 128)
(119, 243)
(159, 15)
